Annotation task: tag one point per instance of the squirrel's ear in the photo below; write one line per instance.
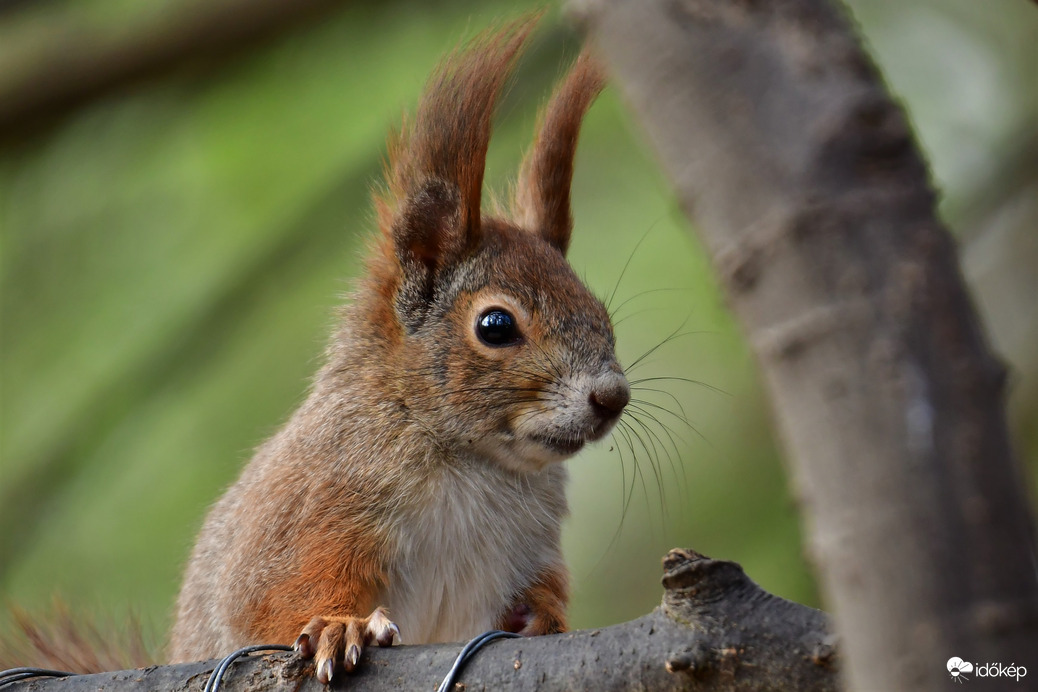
(542, 194)
(427, 233)
(431, 205)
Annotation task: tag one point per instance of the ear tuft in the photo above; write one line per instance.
(436, 163)
(542, 199)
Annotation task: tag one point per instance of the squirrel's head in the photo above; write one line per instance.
(497, 346)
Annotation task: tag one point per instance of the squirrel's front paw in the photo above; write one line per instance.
(335, 641)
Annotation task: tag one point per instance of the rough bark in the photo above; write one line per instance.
(716, 630)
(814, 202)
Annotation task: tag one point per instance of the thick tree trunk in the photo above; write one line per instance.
(815, 204)
(716, 631)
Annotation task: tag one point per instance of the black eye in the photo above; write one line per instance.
(497, 328)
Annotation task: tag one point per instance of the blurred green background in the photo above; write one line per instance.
(173, 246)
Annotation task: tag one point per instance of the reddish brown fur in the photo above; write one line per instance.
(542, 196)
(335, 581)
(65, 640)
(409, 452)
(448, 140)
(546, 598)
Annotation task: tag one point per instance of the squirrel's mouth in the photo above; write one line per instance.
(565, 446)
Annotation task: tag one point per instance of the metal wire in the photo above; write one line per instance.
(16, 674)
(213, 684)
(468, 652)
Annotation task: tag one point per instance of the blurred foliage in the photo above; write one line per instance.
(172, 253)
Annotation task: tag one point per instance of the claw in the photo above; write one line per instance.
(303, 647)
(352, 656)
(381, 628)
(324, 671)
(339, 641)
(386, 637)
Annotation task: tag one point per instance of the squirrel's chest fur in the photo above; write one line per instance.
(467, 543)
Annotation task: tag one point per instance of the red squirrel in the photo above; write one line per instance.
(417, 494)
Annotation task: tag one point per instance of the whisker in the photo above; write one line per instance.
(651, 404)
(627, 264)
(624, 497)
(677, 402)
(674, 461)
(673, 335)
(637, 466)
(654, 461)
(616, 311)
(637, 408)
(687, 380)
(552, 363)
(626, 429)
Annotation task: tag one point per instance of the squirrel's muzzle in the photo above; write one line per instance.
(609, 396)
(610, 393)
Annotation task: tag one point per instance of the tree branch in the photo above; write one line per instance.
(814, 202)
(716, 631)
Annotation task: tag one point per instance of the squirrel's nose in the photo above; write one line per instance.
(610, 395)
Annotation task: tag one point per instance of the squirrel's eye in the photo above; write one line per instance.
(497, 328)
